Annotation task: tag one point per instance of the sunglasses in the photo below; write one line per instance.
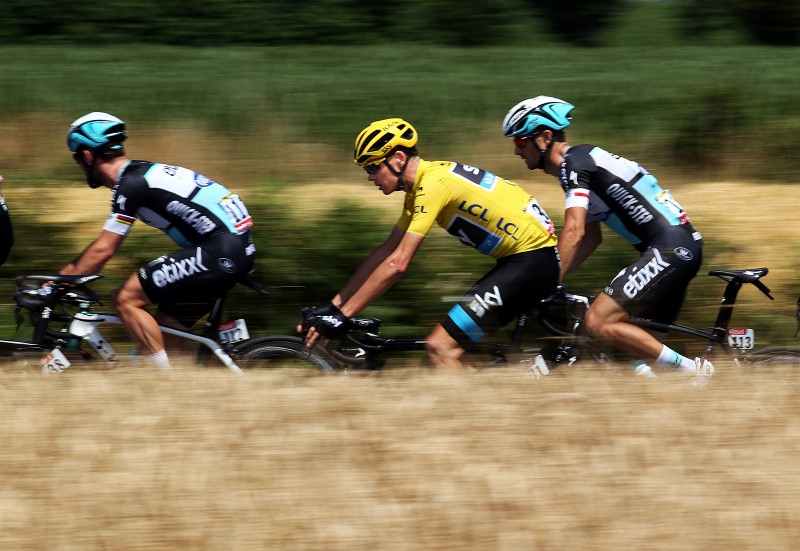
(373, 168)
(520, 142)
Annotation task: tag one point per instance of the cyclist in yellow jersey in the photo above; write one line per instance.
(483, 211)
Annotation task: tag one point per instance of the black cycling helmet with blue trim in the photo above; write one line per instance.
(530, 117)
(100, 133)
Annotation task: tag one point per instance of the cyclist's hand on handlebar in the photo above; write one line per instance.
(326, 321)
(310, 311)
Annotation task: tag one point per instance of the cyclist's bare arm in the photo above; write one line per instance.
(385, 274)
(369, 265)
(577, 240)
(92, 260)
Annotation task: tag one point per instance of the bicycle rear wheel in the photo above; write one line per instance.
(773, 356)
(271, 352)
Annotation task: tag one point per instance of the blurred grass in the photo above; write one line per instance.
(204, 460)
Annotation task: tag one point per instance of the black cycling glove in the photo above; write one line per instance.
(328, 320)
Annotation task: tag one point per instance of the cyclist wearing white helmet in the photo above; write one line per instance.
(604, 187)
(483, 211)
(208, 222)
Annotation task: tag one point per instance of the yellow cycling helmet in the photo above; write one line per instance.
(380, 138)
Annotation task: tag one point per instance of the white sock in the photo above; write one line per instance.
(160, 360)
(673, 360)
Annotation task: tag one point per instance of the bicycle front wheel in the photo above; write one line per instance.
(774, 356)
(271, 352)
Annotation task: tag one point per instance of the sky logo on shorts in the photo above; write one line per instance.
(480, 305)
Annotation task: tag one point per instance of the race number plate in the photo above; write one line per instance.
(233, 331)
(54, 362)
(741, 338)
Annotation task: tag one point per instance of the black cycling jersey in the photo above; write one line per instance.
(619, 193)
(185, 205)
(629, 200)
(208, 221)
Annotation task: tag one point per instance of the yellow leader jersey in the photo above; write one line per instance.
(485, 212)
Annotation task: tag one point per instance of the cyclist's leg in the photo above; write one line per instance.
(130, 301)
(653, 287)
(183, 282)
(512, 287)
(443, 350)
(605, 321)
(173, 344)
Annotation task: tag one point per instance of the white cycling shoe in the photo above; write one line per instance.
(705, 370)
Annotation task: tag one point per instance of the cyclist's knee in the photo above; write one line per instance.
(130, 295)
(600, 326)
(594, 324)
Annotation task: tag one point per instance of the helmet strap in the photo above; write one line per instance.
(401, 183)
(89, 170)
(542, 156)
(543, 153)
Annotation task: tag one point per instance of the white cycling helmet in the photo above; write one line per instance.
(96, 131)
(531, 116)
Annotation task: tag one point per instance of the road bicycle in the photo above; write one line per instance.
(68, 328)
(562, 315)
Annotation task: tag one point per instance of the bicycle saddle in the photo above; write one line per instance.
(745, 276)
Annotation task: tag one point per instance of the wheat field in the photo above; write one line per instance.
(589, 458)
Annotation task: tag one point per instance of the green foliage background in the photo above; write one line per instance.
(270, 120)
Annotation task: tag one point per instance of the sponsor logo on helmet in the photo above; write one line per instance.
(683, 253)
(638, 279)
(226, 265)
(521, 112)
(176, 270)
(143, 273)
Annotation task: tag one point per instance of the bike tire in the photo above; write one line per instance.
(272, 352)
(774, 356)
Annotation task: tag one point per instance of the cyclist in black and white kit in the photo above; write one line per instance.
(209, 222)
(604, 187)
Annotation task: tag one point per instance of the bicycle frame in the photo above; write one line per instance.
(716, 337)
(59, 301)
(86, 327)
(371, 347)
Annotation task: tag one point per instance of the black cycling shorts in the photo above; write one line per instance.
(197, 275)
(513, 287)
(655, 285)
